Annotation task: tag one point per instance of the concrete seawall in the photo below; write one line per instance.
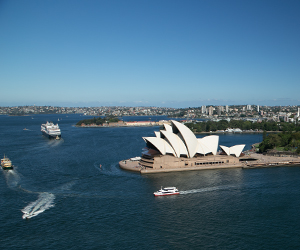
(251, 160)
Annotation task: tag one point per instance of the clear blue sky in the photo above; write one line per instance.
(164, 53)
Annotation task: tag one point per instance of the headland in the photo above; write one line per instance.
(176, 148)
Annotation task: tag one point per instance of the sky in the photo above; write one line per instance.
(162, 53)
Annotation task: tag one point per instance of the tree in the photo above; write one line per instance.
(264, 135)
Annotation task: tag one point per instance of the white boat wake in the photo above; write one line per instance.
(12, 178)
(44, 202)
(208, 189)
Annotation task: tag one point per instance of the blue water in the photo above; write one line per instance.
(75, 204)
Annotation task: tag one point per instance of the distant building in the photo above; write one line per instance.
(203, 109)
(249, 107)
(220, 110)
(226, 108)
(210, 111)
(257, 108)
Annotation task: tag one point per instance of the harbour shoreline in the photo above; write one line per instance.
(250, 160)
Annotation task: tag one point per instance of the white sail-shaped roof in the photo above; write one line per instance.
(161, 145)
(180, 140)
(202, 148)
(168, 127)
(225, 149)
(176, 143)
(189, 138)
(208, 144)
(234, 150)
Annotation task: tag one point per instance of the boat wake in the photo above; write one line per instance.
(12, 178)
(54, 142)
(44, 202)
(208, 189)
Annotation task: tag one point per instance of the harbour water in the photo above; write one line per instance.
(74, 204)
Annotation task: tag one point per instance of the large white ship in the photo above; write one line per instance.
(51, 130)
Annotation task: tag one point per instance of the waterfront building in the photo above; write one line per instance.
(176, 148)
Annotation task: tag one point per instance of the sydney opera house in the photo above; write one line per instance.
(176, 148)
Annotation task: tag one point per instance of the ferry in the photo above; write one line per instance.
(6, 163)
(166, 191)
(51, 130)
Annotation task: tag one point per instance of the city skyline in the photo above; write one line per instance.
(175, 54)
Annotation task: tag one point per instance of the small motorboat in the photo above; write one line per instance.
(166, 191)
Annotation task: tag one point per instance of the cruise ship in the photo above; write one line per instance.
(51, 130)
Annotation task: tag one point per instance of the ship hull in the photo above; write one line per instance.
(166, 194)
(51, 136)
(8, 168)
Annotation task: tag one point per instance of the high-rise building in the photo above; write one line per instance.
(203, 109)
(249, 107)
(226, 108)
(220, 110)
(257, 108)
(210, 111)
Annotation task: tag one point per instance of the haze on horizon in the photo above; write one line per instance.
(149, 53)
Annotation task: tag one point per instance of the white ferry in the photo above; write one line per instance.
(166, 191)
(51, 130)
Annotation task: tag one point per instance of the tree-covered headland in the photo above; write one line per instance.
(208, 126)
(287, 138)
(284, 141)
(98, 121)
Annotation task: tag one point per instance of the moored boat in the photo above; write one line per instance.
(51, 130)
(166, 191)
(6, 163)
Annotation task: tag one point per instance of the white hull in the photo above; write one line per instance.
(164, 194)
(166, 191)
(51, 130)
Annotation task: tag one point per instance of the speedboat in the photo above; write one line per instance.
(166, 191)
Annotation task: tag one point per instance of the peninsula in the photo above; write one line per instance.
(176, 148)
(116, 122)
